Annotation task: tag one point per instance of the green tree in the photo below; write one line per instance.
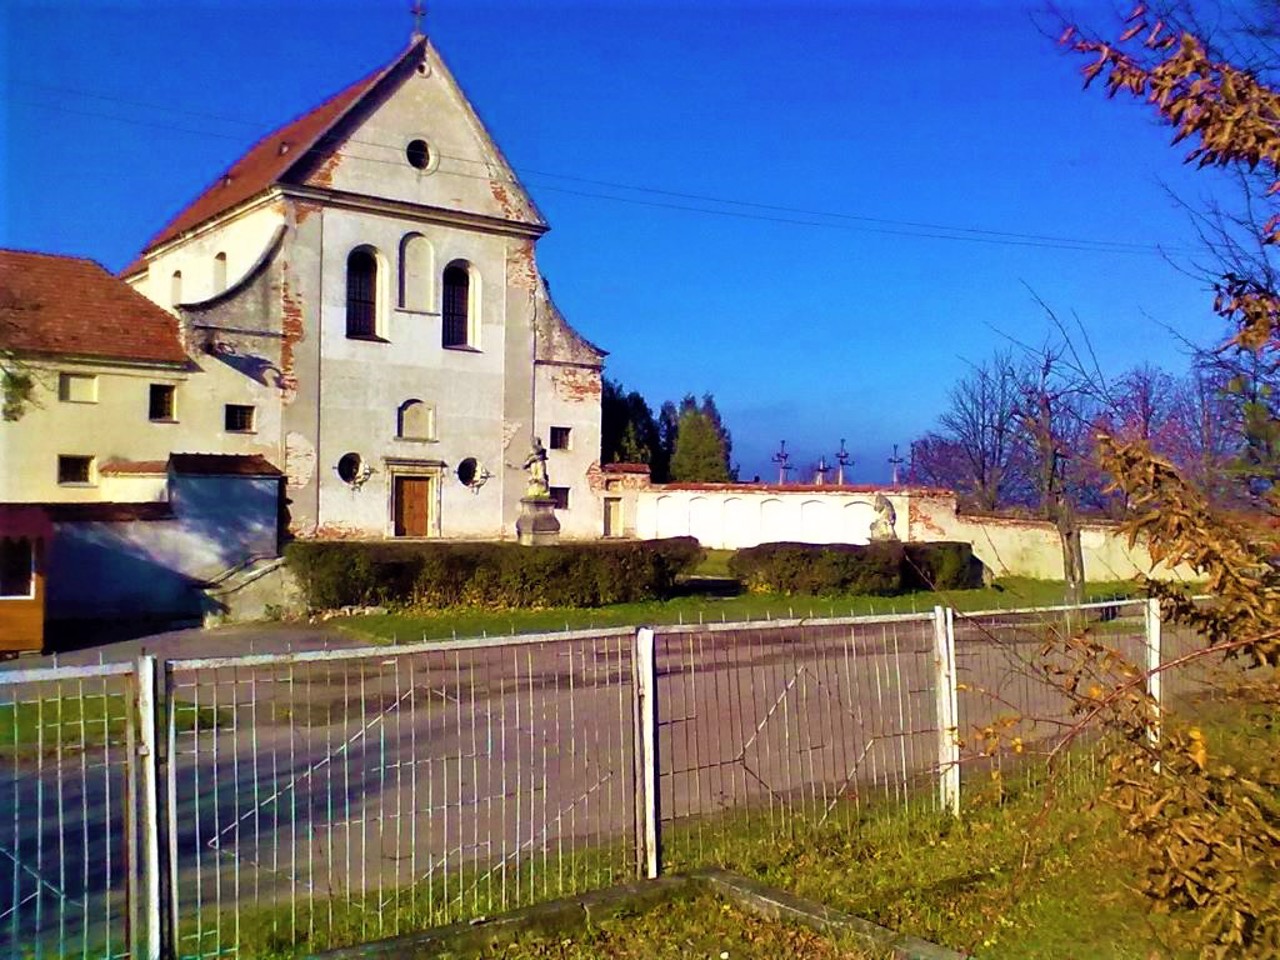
(628, 431)
(699, 455)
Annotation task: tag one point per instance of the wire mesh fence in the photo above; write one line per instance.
(324, 798)
(767, 729)
(68, 798)
(327, 798)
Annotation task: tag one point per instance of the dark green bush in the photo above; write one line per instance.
(347, 573)
(877, 568)
(820, 568)
(941, 566)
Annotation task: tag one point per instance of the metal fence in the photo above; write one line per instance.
(285, 803)
(70, 792)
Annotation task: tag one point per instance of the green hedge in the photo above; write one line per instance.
(877, 568)
(346, 573)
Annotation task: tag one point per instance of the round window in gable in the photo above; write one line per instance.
(418, 154)
(467, 471)
(349, 467)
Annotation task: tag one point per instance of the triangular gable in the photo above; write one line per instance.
(418, 99)
(293, 152)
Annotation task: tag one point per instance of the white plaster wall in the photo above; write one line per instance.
(243, 239)
(428, 106)
(117, 426)
(363, 383)
(148, 568)
(1032, 548)
(569, 396)
(731, 518)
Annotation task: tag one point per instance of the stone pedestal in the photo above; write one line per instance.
(537, 524)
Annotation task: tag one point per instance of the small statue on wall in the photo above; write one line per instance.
(536, 464)
(882, 527)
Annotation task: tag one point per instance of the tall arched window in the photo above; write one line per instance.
(415, 273)
(457, 305)
(362, 293)
(175, 288)
(219, 272)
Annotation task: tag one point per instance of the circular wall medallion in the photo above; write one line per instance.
(349, 467)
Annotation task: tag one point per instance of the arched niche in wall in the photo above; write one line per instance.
(417, 268)
(416, 420)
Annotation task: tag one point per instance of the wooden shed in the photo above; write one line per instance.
(25, 534)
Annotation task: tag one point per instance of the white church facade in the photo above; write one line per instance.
(368, 272)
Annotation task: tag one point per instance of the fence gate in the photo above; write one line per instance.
(76, 816)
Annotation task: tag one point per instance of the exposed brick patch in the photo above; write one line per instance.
(611, 478)
(323, 176)
(522, 270)
(576, 384)
(293, 330)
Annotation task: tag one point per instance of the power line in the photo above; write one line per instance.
(880, 225)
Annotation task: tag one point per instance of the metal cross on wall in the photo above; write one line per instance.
(896, 461)
(781, 458)
(820, 471)
(419, 14)
(842, 458)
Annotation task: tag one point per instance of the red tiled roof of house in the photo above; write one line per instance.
(266, 162)
(626, 468)
(129, 468)
(223, 465)
(52, 304)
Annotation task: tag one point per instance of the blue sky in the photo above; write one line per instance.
(809, 303)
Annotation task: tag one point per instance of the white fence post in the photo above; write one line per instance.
(646, 693)
(148, 807)
(1153, 630)
(944, 646)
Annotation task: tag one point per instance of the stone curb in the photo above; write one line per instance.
(462, 940)
(777, 904)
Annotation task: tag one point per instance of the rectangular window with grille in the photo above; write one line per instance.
(561, 497)
(559, 438)
(362, 294)
(239, 418)
(456, 306)
(73, 469)
(160, 403)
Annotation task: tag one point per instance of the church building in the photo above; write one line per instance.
(365, 280)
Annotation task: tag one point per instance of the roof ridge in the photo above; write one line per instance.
(275, 164)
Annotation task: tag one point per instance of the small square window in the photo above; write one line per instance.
(17, 568)
(559, 438)
(160, 405)
(75, 469)
(239, 418)
(561, 497)
(77, 388)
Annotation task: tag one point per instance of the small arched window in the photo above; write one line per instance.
(219, 273)
(456, 305)
(175, 288)
(362, 293)
(415, 273)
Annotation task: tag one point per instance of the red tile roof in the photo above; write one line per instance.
(128, 468)
(267, 161)
(71, 306)
(222, 465)
(626, 468)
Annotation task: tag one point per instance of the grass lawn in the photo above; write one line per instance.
(688, 928)
(76, 722)
(1036, 874)
(698, 607)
